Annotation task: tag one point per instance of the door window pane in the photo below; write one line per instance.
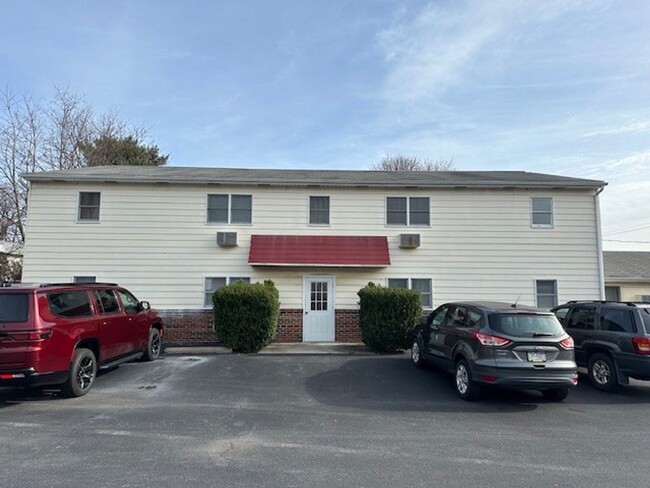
(129, 302)
(319, 296)
(106, 301)
(582, 318)
(616, 320)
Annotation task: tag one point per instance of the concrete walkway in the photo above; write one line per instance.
(286, 348)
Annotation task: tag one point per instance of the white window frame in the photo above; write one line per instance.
(557, 290)
(409, 282)
(230, 222)
(408, 211)
(329, 211)
(542, 226)
(88, 221)
(229, 281)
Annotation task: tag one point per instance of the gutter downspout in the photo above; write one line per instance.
(599, 244)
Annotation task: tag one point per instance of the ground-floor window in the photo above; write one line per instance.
(212, 284)
(613, 293)
(422, 285)
(546, 293)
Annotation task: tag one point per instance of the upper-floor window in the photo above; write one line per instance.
(319, 210)
(407, 211)
(230, 209)
(546, 291)
(89, 202)
(212, 284)
(541, 212)
(422, 285)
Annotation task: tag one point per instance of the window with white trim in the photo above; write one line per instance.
(541, 209)
(212, 284)
(421, 285)
(89, 204)
(407, 211)
(230, 209)
(319, 210)
(546, 293)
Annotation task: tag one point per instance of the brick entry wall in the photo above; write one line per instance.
(194, 327)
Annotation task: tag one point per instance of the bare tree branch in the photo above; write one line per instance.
(412, 163)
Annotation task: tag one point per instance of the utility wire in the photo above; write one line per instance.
(627, 230)
(620, 240)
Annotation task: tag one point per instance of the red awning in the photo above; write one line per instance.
(343, 251)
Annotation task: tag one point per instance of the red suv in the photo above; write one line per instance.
(60, 334)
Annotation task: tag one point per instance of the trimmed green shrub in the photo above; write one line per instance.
(246, 315)
(388, 316)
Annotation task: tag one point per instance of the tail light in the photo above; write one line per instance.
(32, 335)
(641, 345)
(567, 344)
(490, 340)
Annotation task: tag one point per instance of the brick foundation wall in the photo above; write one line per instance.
(195, 327)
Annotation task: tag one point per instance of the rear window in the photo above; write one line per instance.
(70, 304)
(645, 313)
(13, 307)
(523, 325)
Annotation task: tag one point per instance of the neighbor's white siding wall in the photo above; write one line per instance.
(153, 239)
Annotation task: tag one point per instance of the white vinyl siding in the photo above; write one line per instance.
(480, 245)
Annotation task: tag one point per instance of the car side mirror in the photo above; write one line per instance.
(144, 305)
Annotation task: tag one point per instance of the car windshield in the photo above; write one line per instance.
(13, 307)
(526, 325)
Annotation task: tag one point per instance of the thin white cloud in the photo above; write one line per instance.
(631, 127)
(429, 53)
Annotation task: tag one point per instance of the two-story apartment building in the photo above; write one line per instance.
(174, 235)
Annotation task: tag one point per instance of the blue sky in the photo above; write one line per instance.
(548, 86)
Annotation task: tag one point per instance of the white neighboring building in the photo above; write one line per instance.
(172, 235)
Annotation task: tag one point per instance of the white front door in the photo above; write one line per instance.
(318, 323)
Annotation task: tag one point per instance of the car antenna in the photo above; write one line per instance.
(514, 305)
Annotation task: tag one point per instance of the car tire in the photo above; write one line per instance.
(154, 346)
(81, 376)
(602, 372)
(466, 388)
(556, 394)
(416, 354)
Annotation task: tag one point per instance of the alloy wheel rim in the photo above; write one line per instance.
(155, 345)
(86, 373)
(601, 372)
(462, 378)
(415, 352)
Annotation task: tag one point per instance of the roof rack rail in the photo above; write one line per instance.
(45, 285)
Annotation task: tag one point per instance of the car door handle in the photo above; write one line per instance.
(106, 322)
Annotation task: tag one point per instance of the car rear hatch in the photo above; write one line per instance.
(536, 342)
(16, 328)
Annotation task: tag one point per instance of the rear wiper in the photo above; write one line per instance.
(543, 334)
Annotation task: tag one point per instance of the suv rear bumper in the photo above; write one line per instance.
(30, 377)
(526, 379)
(633, 365)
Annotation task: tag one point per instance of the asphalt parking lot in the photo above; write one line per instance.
(314, 421)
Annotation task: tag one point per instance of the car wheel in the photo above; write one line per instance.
(416, 354)
(602, 372)
(556, 394)
(154, 346)
(81, 376)
(466, 388)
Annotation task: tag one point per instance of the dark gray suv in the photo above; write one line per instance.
(612, 340)
(494, 344)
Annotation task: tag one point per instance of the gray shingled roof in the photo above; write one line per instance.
(627, 265)
(302, 177)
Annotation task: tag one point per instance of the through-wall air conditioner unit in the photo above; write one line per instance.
(226, 239)
(409, 241)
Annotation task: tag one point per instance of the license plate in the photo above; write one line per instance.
(536, 357)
